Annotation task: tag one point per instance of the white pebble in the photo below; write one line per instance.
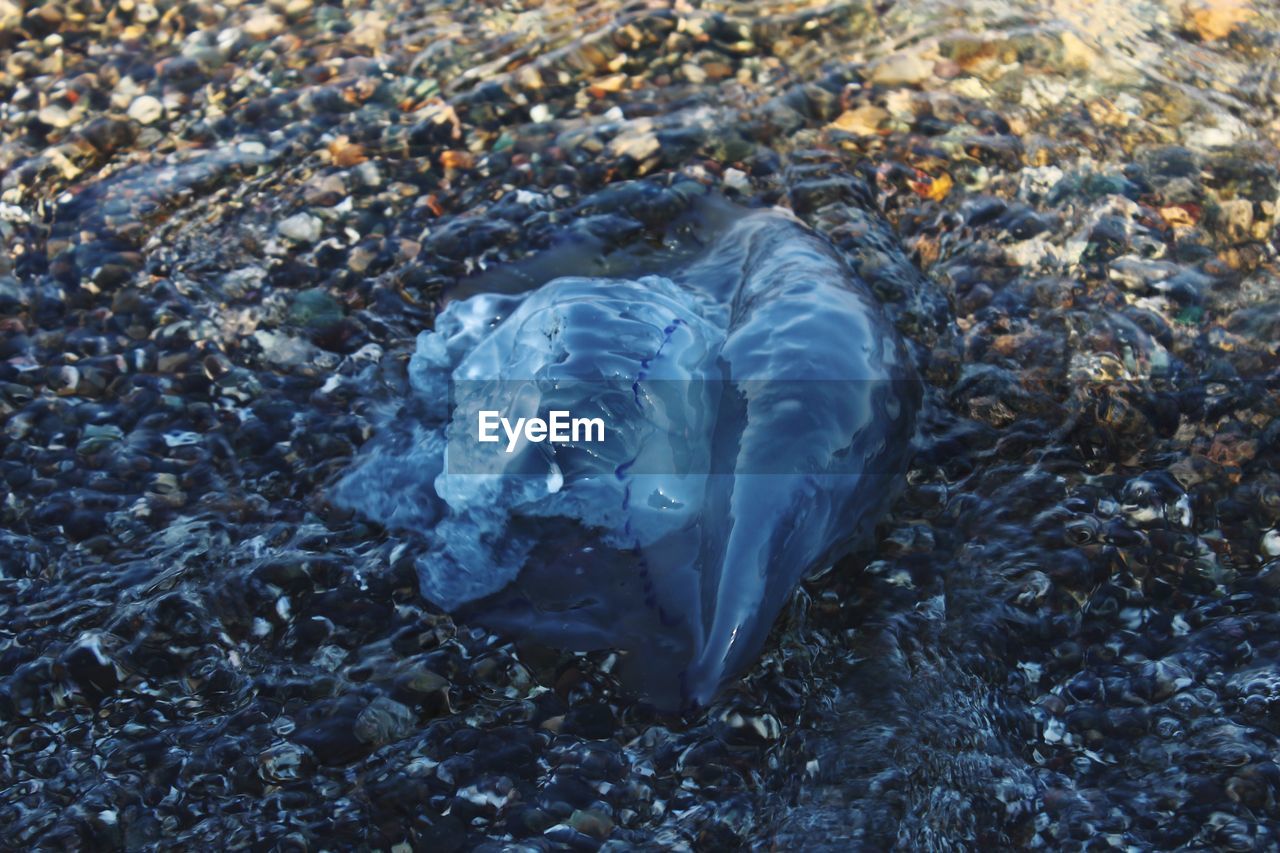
(301, 228)
(1271, 543)
(146, 109)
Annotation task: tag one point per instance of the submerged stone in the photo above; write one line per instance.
(315, 309)
(759, 410)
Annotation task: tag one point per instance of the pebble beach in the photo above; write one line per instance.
(226, 223)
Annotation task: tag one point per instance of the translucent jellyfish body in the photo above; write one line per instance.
(758, 412)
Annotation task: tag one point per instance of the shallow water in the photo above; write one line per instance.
(226, 227)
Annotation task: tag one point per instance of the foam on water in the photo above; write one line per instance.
(759, 409)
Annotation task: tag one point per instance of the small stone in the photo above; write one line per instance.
(360, 259)
(717, 70)
(1177, 215)
(55, 116)
(346, 153)
(368, 174)
(90, 662)
(1076, 53)
(1235, 219)
(10, 15)
(285, 762)
(301, 228)
(637, 146)
(369, 28)
(237, 283)
(1217, 19)
(591, 822)
(146, 109)
(383, 721)
(263, 25)
(933, 188)
(324, 190)
(694, 73)
(606, 85)
(96, 437)
(109, 134)
(1271, 543)
(452, 159)
(736, 179)
(284, 350)
(901, 69)
(1226, 130)
(315, 309)
(864, 121)
(540, 113)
